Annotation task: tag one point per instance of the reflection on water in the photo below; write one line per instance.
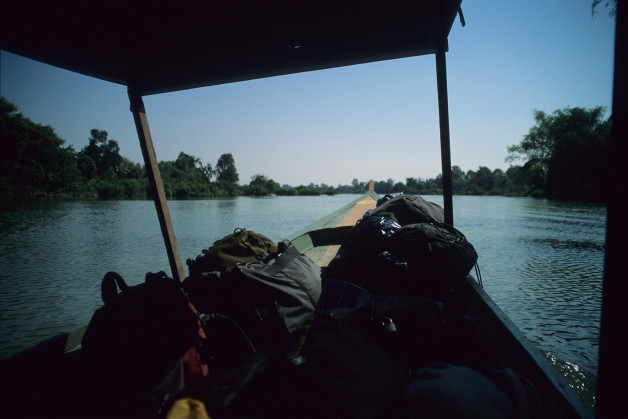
(542, 263)
(541, 260)
(583, 382)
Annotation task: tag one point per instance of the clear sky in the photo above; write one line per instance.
(372, 121)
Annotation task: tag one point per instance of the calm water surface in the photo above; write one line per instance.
(541, 260)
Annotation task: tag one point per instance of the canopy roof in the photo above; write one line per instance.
(159, 47)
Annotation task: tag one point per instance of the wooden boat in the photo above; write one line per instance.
(53, 364)
(154, 49)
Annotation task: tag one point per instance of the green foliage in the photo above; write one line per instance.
(483, 179)
(610, 4)
(103, 152)
(87, 166)
(307, 191)
(208, 172)
(286, 191)
(356, 187)
(566, 154)
(131, 170)
(226, 169)
(226, 189)
(418, 186)
(176, 188)
(110, 189)
(81, 188)
(185, 168)
(33, 160)
(260, 185)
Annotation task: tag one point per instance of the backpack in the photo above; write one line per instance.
(268, 298)
(401, 248)
(144, 343)
(240, 247)
(434, 249)
(409, 209)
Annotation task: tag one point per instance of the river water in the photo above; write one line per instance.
(541, 260)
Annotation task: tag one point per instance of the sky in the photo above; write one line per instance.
(372, 121)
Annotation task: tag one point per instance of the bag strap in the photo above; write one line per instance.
(109, 289)
(286, 257)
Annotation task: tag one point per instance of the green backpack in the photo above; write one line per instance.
(240, 247)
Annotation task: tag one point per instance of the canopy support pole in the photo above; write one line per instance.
(445, 150)
(156, 185)
(612, 385)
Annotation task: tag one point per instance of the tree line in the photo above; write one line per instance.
(35, 162)
(562, 156)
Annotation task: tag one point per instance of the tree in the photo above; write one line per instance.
(356, 185)
(226, 169)
(87, 166)
(187, 163)
(208, 172)
(415, 186)
(412, 183)
(131, 170)
(578, 166)
(500, 182)
(537, 144)
(612, 4)
(384, 187)
(457, 179)
(105, 154)
(260, 185)
(33, 159)
(483, 179)
(566, 153)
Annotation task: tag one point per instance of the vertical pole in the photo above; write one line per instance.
(445, 150)
(157, 187)
(612, 385)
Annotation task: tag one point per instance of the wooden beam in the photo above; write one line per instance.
(445, 149)
(156, 185)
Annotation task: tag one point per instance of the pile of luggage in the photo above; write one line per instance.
(259, 330)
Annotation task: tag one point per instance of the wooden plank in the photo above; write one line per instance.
(351, 218)
(445, 150)
(157, 187)
(331, 220)
(358, 211)
(329, 254)
(323, 256)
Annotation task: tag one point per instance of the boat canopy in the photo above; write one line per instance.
(158, 47)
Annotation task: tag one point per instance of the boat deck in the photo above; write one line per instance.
(321, 241)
